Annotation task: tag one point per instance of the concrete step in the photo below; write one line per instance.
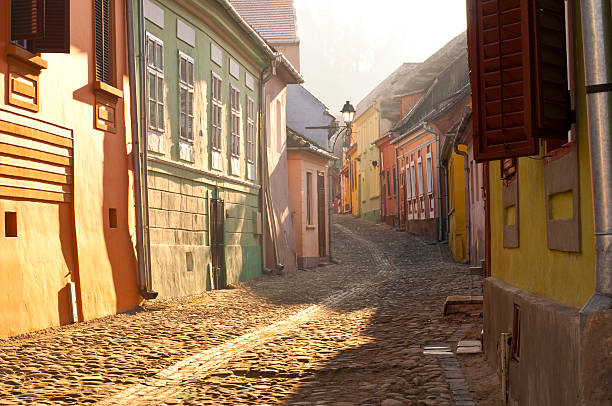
(462, 304)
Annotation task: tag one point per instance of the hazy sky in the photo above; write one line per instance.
(350, 46)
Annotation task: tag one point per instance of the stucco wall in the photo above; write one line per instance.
(62, 242)
(307, 235)
(305, 110)
(456, 206)
(366, 130)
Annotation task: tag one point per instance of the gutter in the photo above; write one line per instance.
(139, 152)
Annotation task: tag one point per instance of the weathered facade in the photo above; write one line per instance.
(66, 180)
(547, 302)
(388, 180)
(202, 124)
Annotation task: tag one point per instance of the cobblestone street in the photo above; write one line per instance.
(350, 333)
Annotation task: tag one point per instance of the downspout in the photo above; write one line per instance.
(143, 246)
(397, 201)
(596, 34)
(466, 168)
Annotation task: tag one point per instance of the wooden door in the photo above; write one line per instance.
(321, 214)
(217, 243)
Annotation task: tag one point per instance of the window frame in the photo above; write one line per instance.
(186, 87)
(216, 133)
(109, 48)
(158, 73)
(309, 198)
(250, 131)
(235, 121)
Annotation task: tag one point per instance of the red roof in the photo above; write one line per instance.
(274, 20)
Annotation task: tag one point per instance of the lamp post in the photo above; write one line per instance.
(348, 115)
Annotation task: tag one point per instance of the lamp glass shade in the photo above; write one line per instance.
(348, 113)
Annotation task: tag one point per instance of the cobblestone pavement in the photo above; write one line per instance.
(345, 334)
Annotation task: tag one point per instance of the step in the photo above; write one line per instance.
(462, 304)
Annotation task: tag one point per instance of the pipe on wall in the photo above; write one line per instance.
(596, 34)
(439, 182)
(139, 152)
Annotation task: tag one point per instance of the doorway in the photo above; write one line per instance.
(217, 244)
(321, 214)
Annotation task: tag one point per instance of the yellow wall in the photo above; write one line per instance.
(565, 277)
(456, 203)
(366, 128)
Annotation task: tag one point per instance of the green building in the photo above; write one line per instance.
(202, 66)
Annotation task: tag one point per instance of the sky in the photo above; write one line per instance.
(349, 46)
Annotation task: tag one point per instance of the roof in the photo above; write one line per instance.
(275, 20)
(297, 142)
(255, 36)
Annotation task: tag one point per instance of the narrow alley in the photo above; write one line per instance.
(349, 333)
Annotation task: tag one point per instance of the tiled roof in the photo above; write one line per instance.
(273, 19)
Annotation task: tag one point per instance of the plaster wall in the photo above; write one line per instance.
(276, 105)
(292, 52)
(477, 206)
(184, 175)
(389, 190)
(367, 131)
(305, 110)
(307, 235)
(36, 266)
(456, 206)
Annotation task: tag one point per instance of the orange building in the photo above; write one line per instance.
(66, 185)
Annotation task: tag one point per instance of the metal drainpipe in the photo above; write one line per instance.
(142, 192)
(596, 34)
(397, 200)
(466, 168)
(439, 182)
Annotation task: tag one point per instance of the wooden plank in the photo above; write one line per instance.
(21, 193)
(8, 149)
(34, 174)
(27, 90)
(35, 134)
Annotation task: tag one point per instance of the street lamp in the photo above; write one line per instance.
(348, 113)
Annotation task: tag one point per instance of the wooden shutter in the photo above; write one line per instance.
(550, 69)
(102, 27)
(27, 19)
(518, 68)
(57, 28)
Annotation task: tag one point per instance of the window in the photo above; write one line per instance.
(235, 120)
(394, 181)
(516, 334)
(309, 198)
(155, 82)
(429, 174)
(104, 63)
(217, 107)
(10, 224)
(186, 96)
(408, 183)
(41, 26)
(420, 173)
(519, 80)
(250, 150)
(413, 179)
(112, 218)
(388, 184)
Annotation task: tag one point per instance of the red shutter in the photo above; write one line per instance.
(57, 28)
(27, 19)
(518, 75)
(550, 69)
(501, 79)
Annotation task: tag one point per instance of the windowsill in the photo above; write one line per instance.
(560, 152)
(310, 226)
(26, 56)
(107, 90)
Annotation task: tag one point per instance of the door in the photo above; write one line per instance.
(321, 214)
(217, 243)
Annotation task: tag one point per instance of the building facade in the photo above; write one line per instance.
(66, 176)
(548, 298)
(388, 180)
(202, 133)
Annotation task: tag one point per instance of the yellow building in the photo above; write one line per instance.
(456, 201)
(548, 300)
(366, 129)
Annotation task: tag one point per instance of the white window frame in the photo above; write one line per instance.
(429, 167)
(420, 175)
(408, 183)
(216, 111)
(157, 71)
(250, 131)
(413, 179)
(235, 120)
(186, 87)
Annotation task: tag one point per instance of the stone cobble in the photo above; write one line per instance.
(351, 333)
